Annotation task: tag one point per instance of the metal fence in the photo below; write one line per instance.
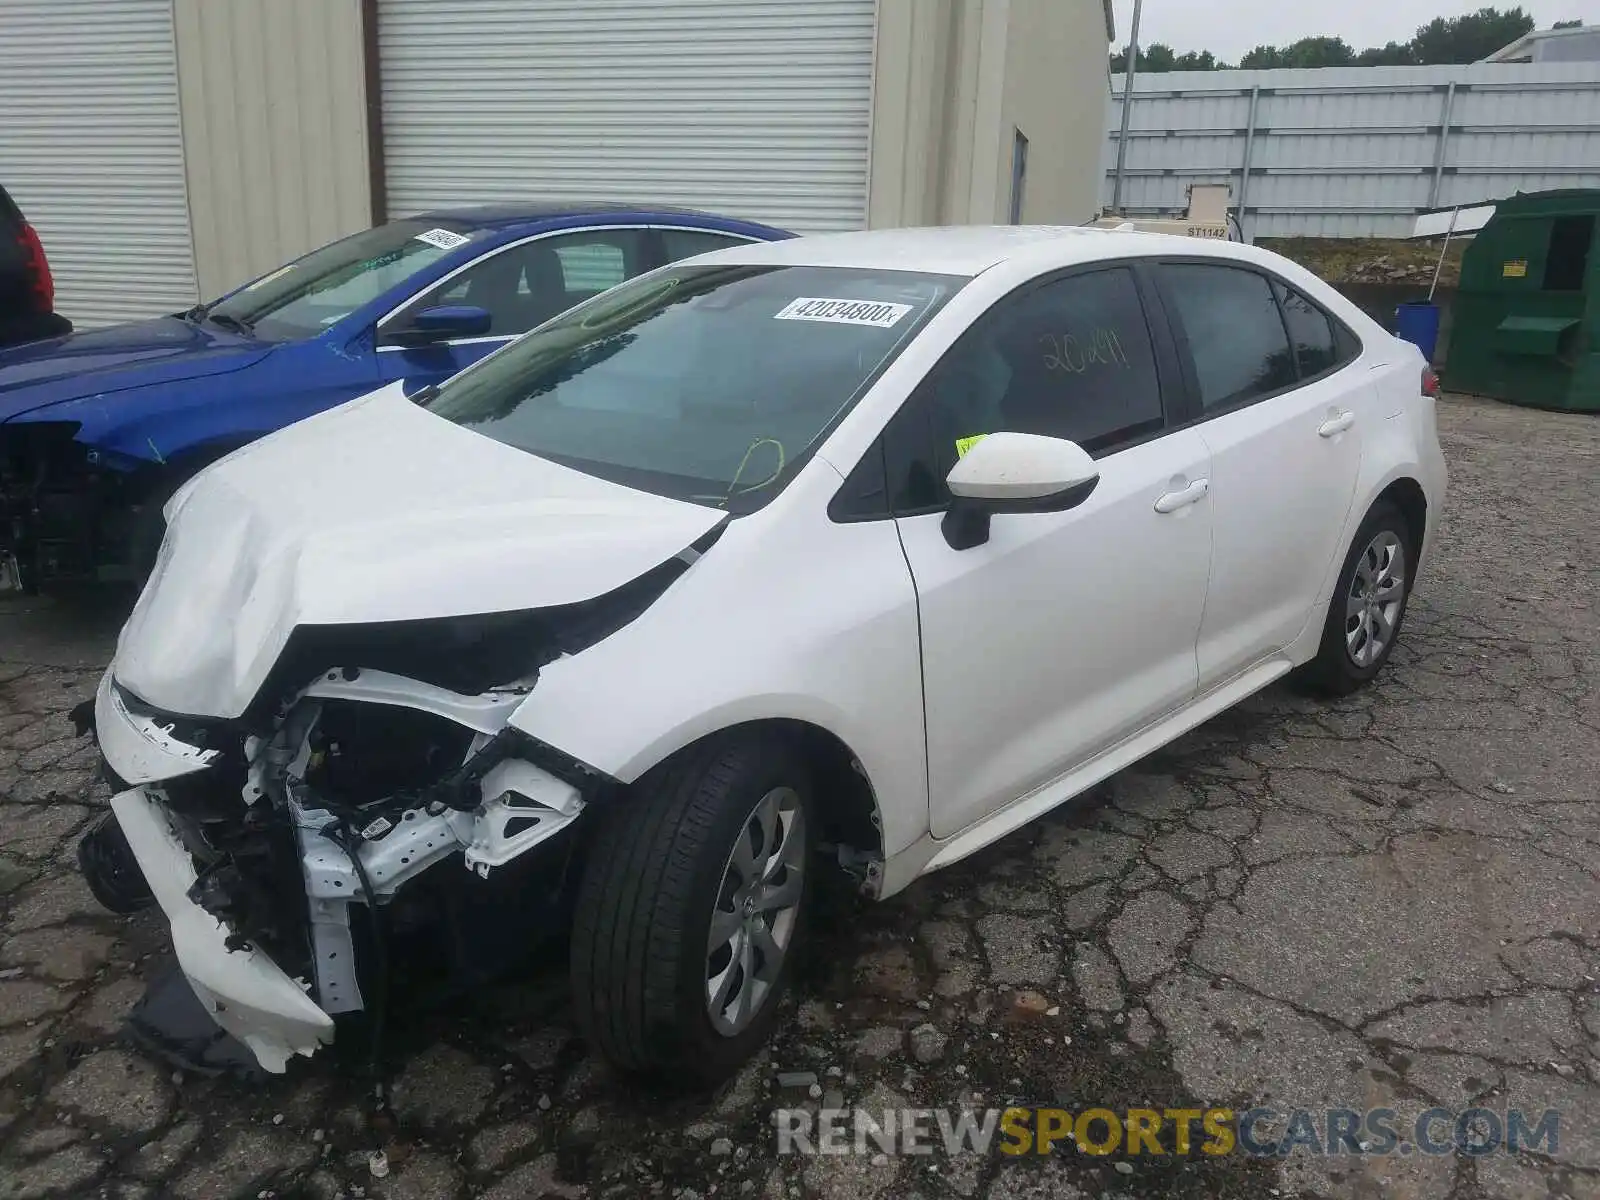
(1355, 151)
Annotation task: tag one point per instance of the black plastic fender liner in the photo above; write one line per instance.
(82, 717)
(170, 1022)
(110, 868)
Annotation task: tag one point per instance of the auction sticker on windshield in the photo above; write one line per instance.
(442, 238)
(878, 313)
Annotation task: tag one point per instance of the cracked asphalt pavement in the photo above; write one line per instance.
(1391, 900)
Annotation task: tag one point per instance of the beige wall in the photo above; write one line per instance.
(911, 67)
(274, 130)
(953, 80)
(1056, 88)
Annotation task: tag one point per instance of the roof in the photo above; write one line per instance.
(1554, 203)
(1528, 48)
(489, 216)
(940, 250)
(968, 250)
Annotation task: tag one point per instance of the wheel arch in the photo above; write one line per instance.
(843, 792)
(1406, 494)
(1400, 487)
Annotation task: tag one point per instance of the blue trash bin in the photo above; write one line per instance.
(1418, 323)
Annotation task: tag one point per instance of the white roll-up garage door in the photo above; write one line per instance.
(91, 149)
(755, 108)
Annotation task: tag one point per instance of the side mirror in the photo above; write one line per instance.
(441, 323)
(1014, 473)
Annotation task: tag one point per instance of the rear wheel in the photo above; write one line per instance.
(691, 909)
(1368, 605)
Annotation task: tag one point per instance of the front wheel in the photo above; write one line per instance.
(691, 908)
(1368, 605)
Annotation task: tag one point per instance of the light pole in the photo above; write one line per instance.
(1127, 106)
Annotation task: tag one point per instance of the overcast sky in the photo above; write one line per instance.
(1228, 28)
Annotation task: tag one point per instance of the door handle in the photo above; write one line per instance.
(1336, 425)
(1183, 497)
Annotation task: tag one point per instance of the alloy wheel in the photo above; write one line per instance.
(758, 904)
(1374, 599)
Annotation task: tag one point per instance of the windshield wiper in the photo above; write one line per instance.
(226, 321)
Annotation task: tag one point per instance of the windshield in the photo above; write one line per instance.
(708, 384)
(327, 285)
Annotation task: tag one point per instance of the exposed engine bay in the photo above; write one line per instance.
(313, 845)
(316, 829)
(327, 772)
(68, 512)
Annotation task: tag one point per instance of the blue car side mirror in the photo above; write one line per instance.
(443, 322)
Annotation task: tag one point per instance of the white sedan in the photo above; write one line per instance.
(846, 554)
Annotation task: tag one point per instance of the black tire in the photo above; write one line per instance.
(110, 868)
(1335, 671)
(655, 871)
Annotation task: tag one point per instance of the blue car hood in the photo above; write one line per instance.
(93, 363)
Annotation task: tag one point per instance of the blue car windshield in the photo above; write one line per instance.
(327, 285)
(709, 384)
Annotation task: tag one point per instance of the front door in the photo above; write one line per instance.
(1284, 406)
(1064, 632)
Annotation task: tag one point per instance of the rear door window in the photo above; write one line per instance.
(1236, 337)
(1311, 333)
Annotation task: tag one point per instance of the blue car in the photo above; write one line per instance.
(97, 429)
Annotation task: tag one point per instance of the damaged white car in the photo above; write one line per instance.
(841, 554)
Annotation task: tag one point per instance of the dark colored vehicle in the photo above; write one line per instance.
(97, 430)
(27, 289)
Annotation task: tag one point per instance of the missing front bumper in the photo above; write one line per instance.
(242, 990)
(67, 513)
(284, 859)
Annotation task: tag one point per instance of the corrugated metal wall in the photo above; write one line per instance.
(91, 148)
(1355, 152)
(751, 107)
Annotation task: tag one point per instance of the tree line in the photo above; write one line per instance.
(1462, 39)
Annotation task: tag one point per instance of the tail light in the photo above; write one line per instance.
(1430, 383)
(44, 284)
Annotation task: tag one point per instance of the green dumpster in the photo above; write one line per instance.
(1527, 316)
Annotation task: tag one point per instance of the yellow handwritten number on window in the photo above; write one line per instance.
(1066, 352)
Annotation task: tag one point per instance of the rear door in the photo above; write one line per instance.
(1281, 409)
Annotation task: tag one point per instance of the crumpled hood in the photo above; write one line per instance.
(101, 361)
(373, 512)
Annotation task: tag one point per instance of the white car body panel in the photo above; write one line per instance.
(425, 519)
(1281, 493)
(974, 689)
(140, 749)
(243, 990)
(835, 646)
(1018, 692)
(933, 854)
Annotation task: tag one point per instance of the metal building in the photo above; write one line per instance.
(1578, 44)
(171, 149)
(1355, 151)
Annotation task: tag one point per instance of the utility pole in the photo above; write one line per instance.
(1127, 107)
